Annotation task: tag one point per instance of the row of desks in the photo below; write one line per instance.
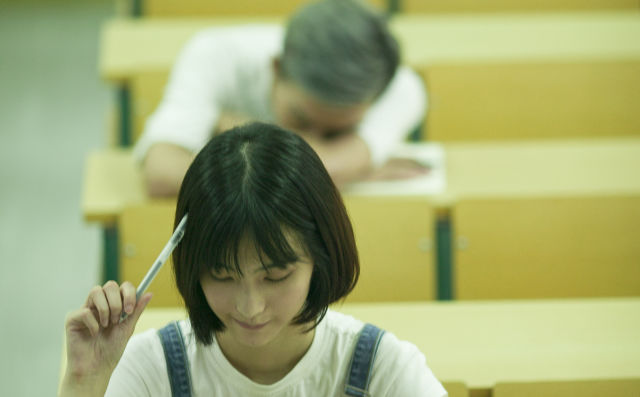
(523, 220)
(538, 210)
(425, 40)
(198, 8)
(489, 77)
(570, 168)
(482, 344)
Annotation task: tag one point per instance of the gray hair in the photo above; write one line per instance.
(340, 51)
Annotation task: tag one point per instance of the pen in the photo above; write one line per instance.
(162, 258)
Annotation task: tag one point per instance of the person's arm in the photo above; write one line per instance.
(165, 164)
(96, 338)
(191, 111)
(345, 157)
(393, 115)
(164, 168)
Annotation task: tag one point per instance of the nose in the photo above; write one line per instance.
(249, 302)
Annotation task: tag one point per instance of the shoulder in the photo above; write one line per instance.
(342, 327)
(142, 369)
(400, 368)
(405, 370)
(237, 37)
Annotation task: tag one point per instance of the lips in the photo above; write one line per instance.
(251, 327)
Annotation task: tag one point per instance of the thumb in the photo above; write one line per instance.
(132, 319)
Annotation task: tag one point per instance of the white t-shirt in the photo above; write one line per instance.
(400, 369)
(230, 69)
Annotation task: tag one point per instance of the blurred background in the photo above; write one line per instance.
(52, 112)
(535, 104)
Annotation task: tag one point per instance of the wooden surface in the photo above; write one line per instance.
(497, 101)
(545, 219)
(456, 389)
(566, 168)
(547, 247)
(143, 230)
(517, 37)
(511, 76)
(395, 240)
(484, 343)
(129, 47)
(474, 6)
(585, 388)
(146, 90)
(112, 180)
(519, 101)
(198, 8)
(558, 168)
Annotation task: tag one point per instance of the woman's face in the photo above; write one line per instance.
(258, 306)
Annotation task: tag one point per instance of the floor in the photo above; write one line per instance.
(53, 108)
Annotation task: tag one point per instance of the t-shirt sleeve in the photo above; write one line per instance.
(142, 369)
(401, 370)
(190, 107)
(400, 108)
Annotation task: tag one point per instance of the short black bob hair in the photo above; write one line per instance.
(264, 183)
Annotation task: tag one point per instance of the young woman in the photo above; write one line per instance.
(267, 248)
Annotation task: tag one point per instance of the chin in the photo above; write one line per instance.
(254, 339)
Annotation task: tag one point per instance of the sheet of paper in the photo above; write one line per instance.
(431, 183)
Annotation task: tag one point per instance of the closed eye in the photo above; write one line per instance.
(221, 279)
(277, 280)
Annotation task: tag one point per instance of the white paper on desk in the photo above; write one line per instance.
(431, 183)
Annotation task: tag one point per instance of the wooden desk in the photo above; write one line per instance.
(112, 181)
(483, 343)
(558, 168)
(488, 185)
(489, 6)
(198, 8)
(513, 76)
(545, 219)
(451, 39)
(530, 169)
(585, 388)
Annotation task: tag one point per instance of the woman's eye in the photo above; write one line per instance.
(277, 279)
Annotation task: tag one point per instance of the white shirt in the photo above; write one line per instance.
(400, 369)
(230, 69)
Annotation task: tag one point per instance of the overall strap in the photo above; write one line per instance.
(177, 362)
(362, 360)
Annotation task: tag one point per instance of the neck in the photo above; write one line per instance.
(269, 363)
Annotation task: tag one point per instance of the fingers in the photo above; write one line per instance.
(128, 293)
(98, 301)
(109, 301)
(112, 293)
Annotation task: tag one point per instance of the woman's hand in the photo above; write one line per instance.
(96, 338)
(399, 168)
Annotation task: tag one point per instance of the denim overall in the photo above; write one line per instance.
(358, 376)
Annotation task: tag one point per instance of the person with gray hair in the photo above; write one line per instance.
(332, 76)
